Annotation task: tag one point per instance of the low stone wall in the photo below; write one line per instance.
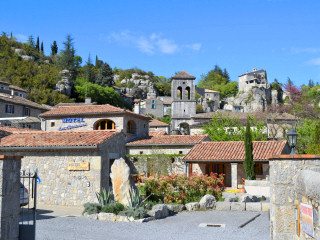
(294, 181)
(9, 196)
(257, 187)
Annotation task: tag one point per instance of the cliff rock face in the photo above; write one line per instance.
(144, 82)
(64, 85)
(256, 99)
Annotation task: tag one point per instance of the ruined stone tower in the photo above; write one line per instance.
(183, 101)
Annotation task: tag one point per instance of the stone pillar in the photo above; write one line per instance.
(187, 169)
(9, 196)
(234, 175)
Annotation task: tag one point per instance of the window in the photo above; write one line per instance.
(141, 152)
(180, 152)
(26, 111)
(23, 125)
(9, 108)
(29, 126)
(53, 124)
(104, 124)
(131, 127)
(20, 95)
(153, 104)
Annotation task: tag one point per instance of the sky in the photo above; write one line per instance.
(165, 37)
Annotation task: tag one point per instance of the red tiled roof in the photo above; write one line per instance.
(208, 90)
(86, 110)
(5, 131)
(157, 133)
(155, 122)
(57, 139)
(228, 151)
(21, 101)
(183, 75)
(169, 139)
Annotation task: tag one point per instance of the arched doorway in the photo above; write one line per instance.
(184, 128)
(104, 124)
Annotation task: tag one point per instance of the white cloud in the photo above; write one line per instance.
(150, 44)
(305, 50)
(21, 37)
(314, 61)
(195, 46)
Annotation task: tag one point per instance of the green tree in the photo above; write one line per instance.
(38, 44)
(31, 41)
(67, 56)
(98, 63)
(42, 48)
(54, 48)
(89, 73)
(306, 130)
(105, 76)
(224, 128)
(248, 161)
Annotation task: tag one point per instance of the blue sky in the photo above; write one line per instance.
(280, 36)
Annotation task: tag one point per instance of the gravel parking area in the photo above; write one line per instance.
(181, 226)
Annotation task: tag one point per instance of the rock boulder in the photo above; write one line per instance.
(207, 202)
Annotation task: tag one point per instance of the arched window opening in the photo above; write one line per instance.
(184, 129)
(131, 127)
(179, 92)
(104, 124)
(187, 93)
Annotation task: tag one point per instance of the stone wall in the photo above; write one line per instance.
(294, 179)
(10, 196)
(18, 111)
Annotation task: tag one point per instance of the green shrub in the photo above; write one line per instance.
(113, 207)
(104, 197)
(91, 208)
(136, 213)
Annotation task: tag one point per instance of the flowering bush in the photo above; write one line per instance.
(179, 188)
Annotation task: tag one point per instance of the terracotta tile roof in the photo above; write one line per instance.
(86, 110)
(183, 75)
(233, 151)
(169, 139)
(157, 133)
(17, 88)
(21, 101)
(155, 122)
(208, 90)
(57, 139)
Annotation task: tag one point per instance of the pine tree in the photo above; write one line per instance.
(42, 48)
(31, 41)
(89, 71)
(54, 48)
(67, 55)
(105, 76)
(248, 161)
(38, 44)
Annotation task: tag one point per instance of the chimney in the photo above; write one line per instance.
(12, 93)
(87, 100)
(254, 70)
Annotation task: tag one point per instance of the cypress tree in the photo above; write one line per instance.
(54, 48)
(31, 41)
(38, 44)
(248, 161)
(42, 47)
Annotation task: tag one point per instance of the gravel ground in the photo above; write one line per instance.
(181, 226)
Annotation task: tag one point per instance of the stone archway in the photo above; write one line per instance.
(184, 128)
(104, 124)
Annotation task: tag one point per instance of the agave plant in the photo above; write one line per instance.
(135, 200)
(104, 197)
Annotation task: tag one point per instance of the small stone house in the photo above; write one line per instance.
(156, 125)
(72, 165)
(227, 158)
(173, 146)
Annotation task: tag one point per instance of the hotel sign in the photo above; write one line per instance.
(81, 122)
(78, 166)
(307, 219)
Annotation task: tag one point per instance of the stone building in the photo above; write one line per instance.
(210, 99)
(16, 110)
(152, 106)
(158, 126)
(256, 78)
(174, 146)
(96, 117)
(227, 158)
(72, 165)
(183, 101)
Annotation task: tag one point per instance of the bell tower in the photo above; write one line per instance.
(183, 101)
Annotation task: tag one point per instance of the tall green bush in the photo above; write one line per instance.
(248, 161)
